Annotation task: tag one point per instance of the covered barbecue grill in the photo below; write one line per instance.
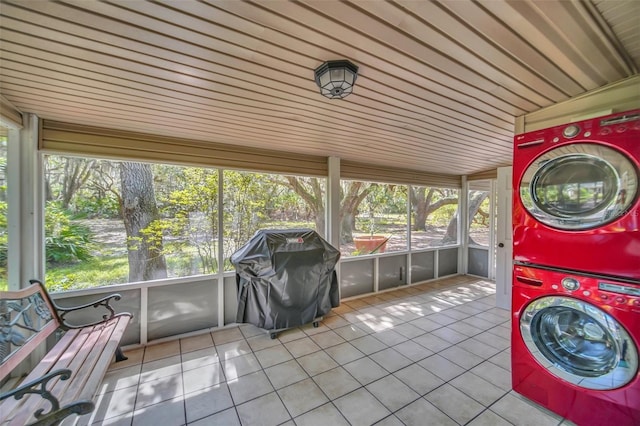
(285, 278)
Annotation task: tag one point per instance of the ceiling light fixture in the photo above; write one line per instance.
(336, 78)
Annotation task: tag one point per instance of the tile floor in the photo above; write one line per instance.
(432, 354)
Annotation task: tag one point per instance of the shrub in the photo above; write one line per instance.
(66, 241)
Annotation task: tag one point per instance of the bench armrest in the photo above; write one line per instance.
(39, 387)
(104, 302)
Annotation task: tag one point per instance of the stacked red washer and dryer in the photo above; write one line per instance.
(576, 274)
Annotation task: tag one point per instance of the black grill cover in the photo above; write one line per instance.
(285, 278)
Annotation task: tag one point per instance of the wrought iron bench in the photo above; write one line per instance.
(66, 379)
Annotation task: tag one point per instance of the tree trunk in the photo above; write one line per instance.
(139, 210)
(352, 195)
(475, 200)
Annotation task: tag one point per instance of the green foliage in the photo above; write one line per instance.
(96, 272)
(443, 215)
(91, 205)
(65, 240)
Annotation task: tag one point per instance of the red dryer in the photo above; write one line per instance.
(576, 197)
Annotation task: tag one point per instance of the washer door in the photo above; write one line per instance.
(579, 343)
(579, 186)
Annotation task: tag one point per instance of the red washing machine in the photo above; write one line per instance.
(575, 345)
(576, 197)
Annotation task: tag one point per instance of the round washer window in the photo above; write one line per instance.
(579, 186)
(579, 343)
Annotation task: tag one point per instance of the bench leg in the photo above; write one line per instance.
(120, 355)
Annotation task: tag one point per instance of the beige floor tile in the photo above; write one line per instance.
(432, 342)
(502, 359)
(162, 367)
(302, 397)
(493, 374)
(454, 403)
(324, 415)
(240, 366)
(390, 337)
(365, 370)
(408, 330)
(489, 418)
(190, 344)
(159, 390)
(412, 350)
(266, 410)
(344, 353)
(227, 335)
(249, 387)
(262, 341)
(311, 330)
(419, 379)
(335, 321)
(464, 328)
(117, 421)
(202, 377)
(233, 349)
(167, 413)
(421, 413)
(272, 356)
(208, 401)
(361, 408)
(391, 420)
(199, 358)
(134, 357)
(478, 388)
(302, 347)
(228, 417)
(392, 392)
(442, 318)
(350, 332)
(316, 363)
(368, 344)
(291, 334)
(250, 330)
(327, 339)
(425, 324)
(479, 348)
(390, 359)
(115, 404)
(120, 378)
(356, 304)
(522, 412)
(502, 330)
(162, 350)
(479, 323)
(285, 374)
(428, 335)
(336, 383)
(493, 340)
(450, 335)
(343, 308)
(441, 367)
(462, 357)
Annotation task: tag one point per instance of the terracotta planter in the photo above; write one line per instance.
(371, 244)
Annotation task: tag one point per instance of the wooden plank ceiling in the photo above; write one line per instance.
(439, 86)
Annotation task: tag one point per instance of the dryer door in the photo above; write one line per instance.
(579, 343)
(579, 186)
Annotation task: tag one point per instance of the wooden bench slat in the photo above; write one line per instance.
(87, 352)
(106, 358)
(87, 358)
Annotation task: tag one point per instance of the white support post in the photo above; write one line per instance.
(220, 275)
(463, 227)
